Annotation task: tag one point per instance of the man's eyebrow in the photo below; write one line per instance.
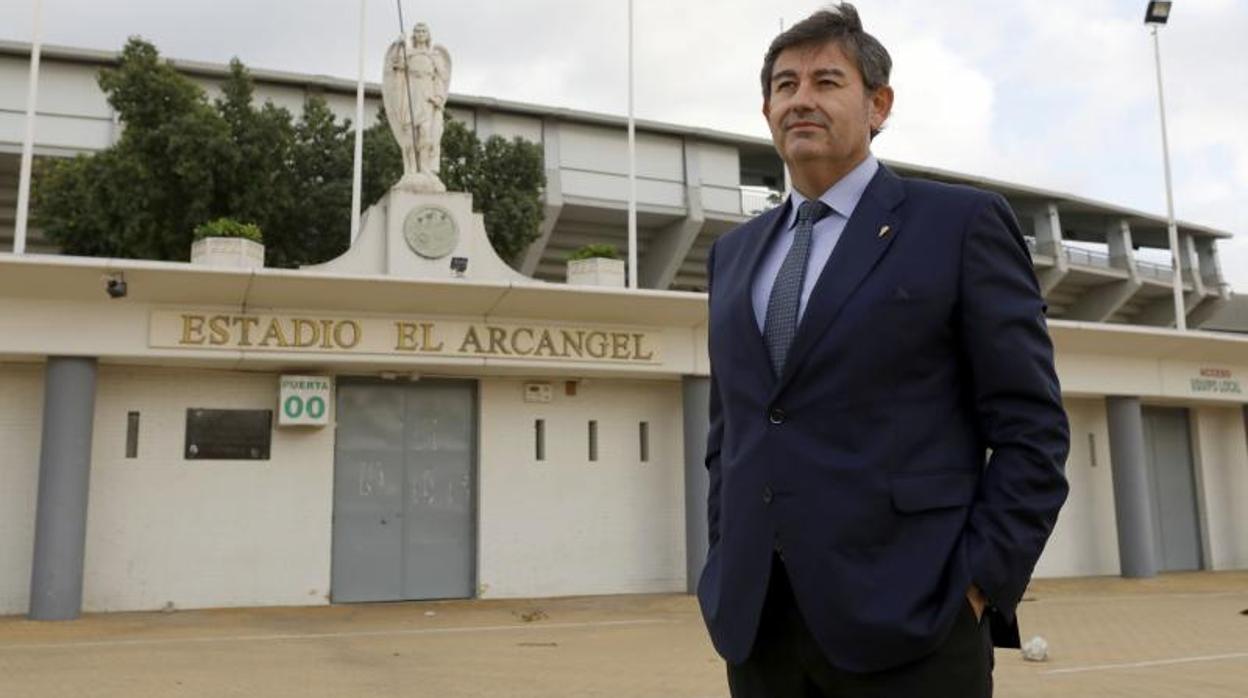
(783, 74)
(820, 73)
(830, 72)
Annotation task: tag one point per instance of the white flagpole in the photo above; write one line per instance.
(632, 163)
(28, 144)
(357, 178)
(788, 179)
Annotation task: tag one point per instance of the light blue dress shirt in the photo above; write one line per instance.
(842, 198)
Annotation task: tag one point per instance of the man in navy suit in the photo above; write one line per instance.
(887, 439)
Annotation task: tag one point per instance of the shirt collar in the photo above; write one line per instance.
(842, 197)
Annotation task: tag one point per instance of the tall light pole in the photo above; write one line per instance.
(1157, 14)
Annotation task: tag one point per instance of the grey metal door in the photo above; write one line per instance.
(1168, 449)
(403, 491)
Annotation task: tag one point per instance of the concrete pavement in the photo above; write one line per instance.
(1176, 635)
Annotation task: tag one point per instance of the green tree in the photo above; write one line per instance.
(183, 161)
(143, 196)
(258, 183)
(320, 223)
(292, 179)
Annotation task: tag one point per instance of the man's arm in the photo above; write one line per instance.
(715, 433)
(1018, 407)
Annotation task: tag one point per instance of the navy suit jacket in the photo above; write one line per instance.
(915, 442)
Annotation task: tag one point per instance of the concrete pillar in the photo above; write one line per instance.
(1207, 260)
(1049, 242)
(1121, 246)
(64, 475)
(1133, 501)
(1191, 268)
(552, 205)
(668, 248)
(1099, 303)
(697, 395)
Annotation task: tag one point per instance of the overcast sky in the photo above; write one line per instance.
(1052, 94)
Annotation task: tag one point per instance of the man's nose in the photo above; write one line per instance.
(803, 97)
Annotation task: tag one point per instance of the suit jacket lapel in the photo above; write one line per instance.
(743, 301)
(861, 246)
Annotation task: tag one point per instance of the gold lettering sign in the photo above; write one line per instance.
(207, 330)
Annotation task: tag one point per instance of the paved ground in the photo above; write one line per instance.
(1182, 635)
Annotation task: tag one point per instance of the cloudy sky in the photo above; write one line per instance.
(1060, 95)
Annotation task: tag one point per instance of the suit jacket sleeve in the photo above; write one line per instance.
(1017, 404)
(715, 433)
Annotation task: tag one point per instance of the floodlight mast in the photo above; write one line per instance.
(1157, 14)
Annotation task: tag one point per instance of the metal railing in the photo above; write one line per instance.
(1160, 272)
(756, 199)
(1086, 257)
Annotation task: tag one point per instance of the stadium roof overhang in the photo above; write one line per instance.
(1068, 203)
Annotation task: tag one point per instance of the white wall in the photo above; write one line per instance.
(511, 126)
(202, 533)
(1221, 457)
(73, 112)
(569, 526)
(721, 177)
(21, 419)
(721, 165)
(1085, 540)
(595, 165)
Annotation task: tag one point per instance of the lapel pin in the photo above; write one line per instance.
(884, 231)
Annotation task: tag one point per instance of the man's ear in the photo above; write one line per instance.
(881, 106)
(766, 109)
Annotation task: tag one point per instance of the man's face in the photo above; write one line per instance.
(819, 110)
(420, 35)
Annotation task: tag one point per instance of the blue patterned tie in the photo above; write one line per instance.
(781, 324)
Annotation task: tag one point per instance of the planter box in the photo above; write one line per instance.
(236, 253)
(596, 271)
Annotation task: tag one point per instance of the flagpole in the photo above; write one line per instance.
(788, 178)
(28, 144)
(632, 163)
(357, 177)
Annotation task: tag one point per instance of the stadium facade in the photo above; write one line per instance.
(510, 434)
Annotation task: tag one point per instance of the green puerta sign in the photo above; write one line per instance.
(304, 400)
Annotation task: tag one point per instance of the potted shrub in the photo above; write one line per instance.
(596, 265)
(226, 242)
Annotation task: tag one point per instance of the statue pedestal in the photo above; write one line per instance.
(420, 183)
(417, 235)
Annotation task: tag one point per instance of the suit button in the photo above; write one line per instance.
(767, 495)
(776, 415)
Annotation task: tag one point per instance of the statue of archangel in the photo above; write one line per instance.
(414, 87)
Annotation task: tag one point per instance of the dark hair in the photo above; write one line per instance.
(839, 23)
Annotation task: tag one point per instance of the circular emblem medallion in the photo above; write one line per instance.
(430, 232)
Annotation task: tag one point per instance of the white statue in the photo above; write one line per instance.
(414, 87)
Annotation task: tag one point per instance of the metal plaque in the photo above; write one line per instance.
(430, 231)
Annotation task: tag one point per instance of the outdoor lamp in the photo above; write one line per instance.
(1158, 12)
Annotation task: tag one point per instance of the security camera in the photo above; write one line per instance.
(459, 265)
(115, 286)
